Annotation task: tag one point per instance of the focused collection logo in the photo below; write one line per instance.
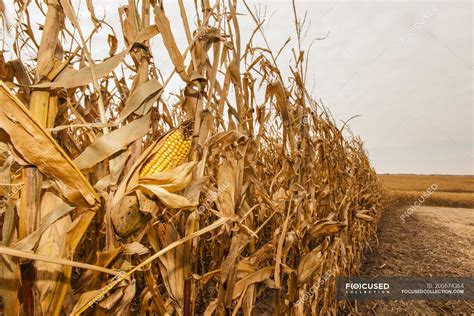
(404, 288)
(367, 287)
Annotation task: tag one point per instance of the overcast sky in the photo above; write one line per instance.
(405, 67)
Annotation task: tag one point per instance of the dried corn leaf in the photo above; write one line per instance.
(252, 278)
(72, 78)
(226, 181)
(29, 242)
(94, 295)
(170, 200)
(51, 244)
(146, 94)
(109, 144)
(27, 136)
(124, 307)
(135, 248)
(172, 268)
(308, 265)
(163, 25)
(9, 272)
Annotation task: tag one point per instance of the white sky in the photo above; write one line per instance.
(405, 67)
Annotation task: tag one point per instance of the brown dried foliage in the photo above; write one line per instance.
(273, 199)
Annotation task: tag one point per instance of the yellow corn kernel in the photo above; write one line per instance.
(172, 152)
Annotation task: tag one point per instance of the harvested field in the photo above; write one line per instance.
(451, 191)
(434, 241)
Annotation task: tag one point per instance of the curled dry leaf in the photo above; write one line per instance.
(164, 26)
(309, 263)
(252, 278)
(113, 43)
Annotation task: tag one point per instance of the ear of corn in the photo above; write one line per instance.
(162, 233)
(172, 152)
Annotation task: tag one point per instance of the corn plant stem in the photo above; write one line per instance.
(149, 260)
(30, 196)
(280, 78)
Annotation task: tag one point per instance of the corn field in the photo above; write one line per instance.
(236, 194)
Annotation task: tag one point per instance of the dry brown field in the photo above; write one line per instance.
(451, 191)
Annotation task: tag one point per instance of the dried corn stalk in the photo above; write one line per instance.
(253, 200)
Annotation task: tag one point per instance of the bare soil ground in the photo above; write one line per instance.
(433, 241)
